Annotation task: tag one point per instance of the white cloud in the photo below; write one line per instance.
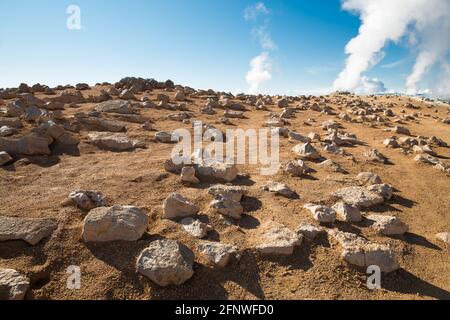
(264, 37)
(253, 12)
(425, 22)
(370, 86)
(260, 72)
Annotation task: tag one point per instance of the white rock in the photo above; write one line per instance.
(383, 190)
(365, 178)
(306, 151)
(309, 231)
(217, 170)
(166, 262)
(177, 206)
(87, 200)
(279, 189)
(4, 158)
(347, 212)
(196, 228)
(387, 225)
(13, 285)
(359, 197)
(296, 168)
(444, 237)
(117, 223)
(322, 214)
(111, 141)
(277, 239)
(218, 254)
(362, 253)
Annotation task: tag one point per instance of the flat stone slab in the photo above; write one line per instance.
(358, 196)
(277, 239)
(29, 230)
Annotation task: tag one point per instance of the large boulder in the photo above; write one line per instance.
(125, 223)
(166, 262)
(277, 239)
(29, 230)
(358, 196)
(177, 206)
(13, 285)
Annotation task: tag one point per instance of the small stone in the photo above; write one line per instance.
(277, 239)
(306, 151)
(13, 285)
(309, 231)
(365, 178)
(296, 168)
(176, 206)
(196, 228)
(320, 213)
(347, 212)
(383, 190)
(188, 175)
(4, 158)
(444, 237)
(279, 189)
(218, 254)
(87, 200)
(387, 225)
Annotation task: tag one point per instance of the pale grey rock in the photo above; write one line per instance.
(365, 178)
(166, 262)
(309, 231)
(195, 227)
(358, 196)
(444, 237)
(277, 239)
(117, 223)
(383, 190)
(320, 213)
(115, 106)
(29, 230)
(279, 189)
(347, 212)
(306, 151)
(177, 206)
(112, 141)
(387, 225)
(13, 285)
(87, 199)
(218, 254)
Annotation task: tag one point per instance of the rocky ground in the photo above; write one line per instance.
(86, 180)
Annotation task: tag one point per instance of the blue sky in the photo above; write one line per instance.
(200, 43)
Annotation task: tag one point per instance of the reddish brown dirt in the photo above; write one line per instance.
(39, 188)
